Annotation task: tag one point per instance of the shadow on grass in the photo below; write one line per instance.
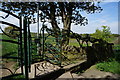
(10, 54)
(14, 77)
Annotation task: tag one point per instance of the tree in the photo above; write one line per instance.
(53, 12)
(11, 31)
(104, 34)
(97, 34)
(8, 29)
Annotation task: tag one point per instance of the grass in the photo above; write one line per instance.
(9, 48)
(15, 77)
(116, 47)
(112, 65)
(73, 42)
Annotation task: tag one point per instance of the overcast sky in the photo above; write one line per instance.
(108, 17)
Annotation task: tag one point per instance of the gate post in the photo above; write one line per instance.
(21, 46)
(43, 40)
(25, 49)
(28, 45)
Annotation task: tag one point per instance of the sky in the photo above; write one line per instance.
(108, 17)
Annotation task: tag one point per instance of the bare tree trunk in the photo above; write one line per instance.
(66, 13)
(66, 19)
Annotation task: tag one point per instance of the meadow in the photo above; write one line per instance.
(112, 65)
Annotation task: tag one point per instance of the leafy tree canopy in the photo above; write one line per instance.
(54, 12)
(51, 11)
(104, 34)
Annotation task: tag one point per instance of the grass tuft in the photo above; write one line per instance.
(112, 66)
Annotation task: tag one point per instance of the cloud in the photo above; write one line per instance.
(96, 24)
(90, 28)
(110, 0)
(103, 21)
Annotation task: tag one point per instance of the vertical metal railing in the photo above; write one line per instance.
(21, 45)
(29, 42)
(25, 48)
(43, 44)
(38, 45)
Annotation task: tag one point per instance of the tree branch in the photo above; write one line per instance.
(9, 13)
(3, 22)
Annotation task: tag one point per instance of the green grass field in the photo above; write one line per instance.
(12, 49)
(9, 48)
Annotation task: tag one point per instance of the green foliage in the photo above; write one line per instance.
(111, 65)
(14, 32)
(16, 77)
(54, 9)
(9, 48)
(104, 34)
(7, 29)
(70, 12)
(115, 35)
(116, 47)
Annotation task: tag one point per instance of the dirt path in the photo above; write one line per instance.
(7, 68)
(41, 68)
(91, 73)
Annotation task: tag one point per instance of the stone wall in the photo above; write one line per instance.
(96, 52)
(73, 52)
(99, 52)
